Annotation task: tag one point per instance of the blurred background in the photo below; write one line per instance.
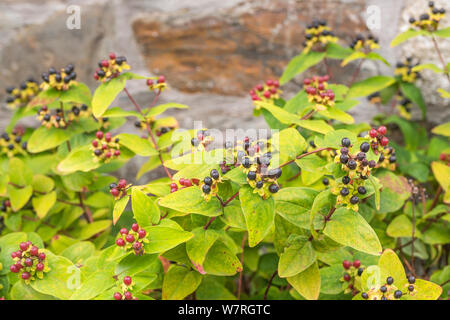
(212, 52)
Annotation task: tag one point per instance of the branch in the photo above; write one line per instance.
(232, 197)
(269, 284)
(304, 155)
(440, 57)
(87, 211)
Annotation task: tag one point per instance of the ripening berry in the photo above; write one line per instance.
(135, 227)
(28, 262)
(14, 268)
(108, 137)
(120, 242)
(187, 183)
(137, 246)
(95, 143)
(161, 79)
(42, 256)
(127, 280)
(115, 192)
(442, 157)
(40, 266)
(117, 153)
(99, 135)
(346, 264)
(128, 295)
(173, 185)
(112, 55)
(356, 263)
(382, 130)
(117, 296)
(142, 233)
(384, 141)
(23, 246)
(373, 133)
(123, 231)
(129, 238)
(347, 277)
(122, 184)
(26, 275)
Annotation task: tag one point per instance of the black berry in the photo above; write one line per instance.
(352, 164)
(354, 200)
(346, 180)
(259, 184)
(346, 142)
(362, 190)
(251, 175)
(325, 181)
(274, 188)
(208, 181)
(275, 173)
(364, 147)
(344, 192)
(411, 279)
(344, 158)
(390, 280)
(365, 295)
(398, 294)
(214, 174)
(206, 189)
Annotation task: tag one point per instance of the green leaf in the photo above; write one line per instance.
(211, 289)
(198, 247)
(442, 33)
(376, 188)
(19, 173)
(391, 266)
(296, 258)
(42, 204)
(79, 93)
(323, 199)
(91, 229)
(414, 94)
(179, 282)
(19, 196)
(43, 139)
(330, 278)
(429, 66)
(221, 260)
(42, 183)
(118, 112)
(335, 51)
(164, 238)
(426, 290)
(289, 142)
(105, 94)
(138, 145)
(79, 252)
(376, 56)
(79, 159)
(22, 291)
(307, 283)
(354, 56)
(443, 129)
(145, 211)
(132, 264)
(350, 229)
(94, 285)
(402, 37)
(258, 213)
(190, 200)
(333, 139)
(301, 63)
(401, 226)
(337, 114)
(119, 207)
(369, 85)
(163, 107)
(319, 126)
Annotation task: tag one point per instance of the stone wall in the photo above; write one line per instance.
(211, 51)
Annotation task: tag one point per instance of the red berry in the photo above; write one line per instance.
(326, 77)
(108, 154)
(28, 262)
(182, 181)
(7, 203)
(104, 146)
(273, 90)
(14, 268)
(321, 86)
(122, 183)
(112, 55)
(269, 82)
(267, 94)
(346, 264)
(117, 153)
(149, 82)
(173, 190)
(95, 143)
(26, 275)
(135, 227)
(173, 185)
(117, 296)
(42, 256)
(356, 263)
(259, 87)
(19, 265)
(331, 95)
(128, 295)
(99, 135)
(187, 183)
(120, 242)
(105, 63)
(40, 266)
(96, 76)
(276, 83)
(23, 246)
(373, 133)
(123, 231)
(382, 130)
(142, 233)
(347, 277)
(442, 157)
(129, 238)
(13, 255)
(161, 79)
(127, 280)
(115, 192)
(19, 254)
(307, 81)
(384, 141)
(108, 137)
(137, 246)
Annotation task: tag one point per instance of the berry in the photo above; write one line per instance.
(122, 184)
(95, 143)
(117, 296)
(108, 137)
(99, 135)
(365, 295)
(40, 266)
(14, 268)
(259, 184)
(346, 142)
(384, 298)
(129, 238)
(411, 287)
(194, 142)
(104, 63)
(344, 150)
(344, 192)
(347, 277)
(384, 141)
(373, 133)
(123, 231)
(411, 279)
(354, 200)
(362, 190)
(398, 294)
(352, 164)
(23, 246)
(356, 263)
(274, 188)
(26, 275)
(345, 180)
(208, 181)
(346, 264)
(364, 147)
(142, 233)
(372, 164)
(392, 159)
(128, 295)
(135, 227)
(382, 130)
(13, 255)
(115, 192)
(275, 173)
(112, 55)
(246, 162)
(360, 271)
(344, 158)
(383, 289)
(137, 246)
(251, 175)
(28, 262)
(206, 189)
(173, 186)
(390, 280)
(161, 79)
(120, 242)
(325, 181)
(187, 183)
(127, 280)
(42, 256)
(214, 174)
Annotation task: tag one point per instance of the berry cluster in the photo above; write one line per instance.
(202, 140)
(18, 97)
(378, 140)
(50, 120)
(429, 21)
(119, 189)
(108, 69)
(389, 291)
(11, 144)
(374, 98)
(105, 148)
(157, 86)
(405, 70)
(59, 80)
(125, 288)
(267, 92)
(132, 239)
(318, 32)
(30, 261)
(5, 206)
(210, 184)
(318, 92)
(361, 43)
(183, 183)
(350, 187)
(353, 270)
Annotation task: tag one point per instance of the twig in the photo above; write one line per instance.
(269, 284)
(332, 210)
(446, 71)
(356, 72)
(413, 232)
(87, 211)
(209, 223)
(308, 115)
(304, 155)
(244, 238)
(436, 198)
(232, 197)
(330, 74)
(295, 177)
